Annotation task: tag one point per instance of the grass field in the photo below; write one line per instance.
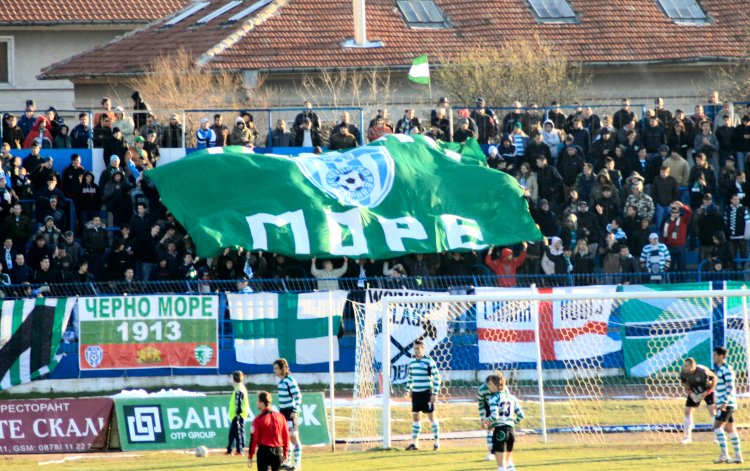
(600, 452)
(457, 456)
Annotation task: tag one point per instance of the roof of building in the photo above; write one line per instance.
(308, 34)
(85, 12)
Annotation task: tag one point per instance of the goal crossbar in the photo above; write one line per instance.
(534, 296)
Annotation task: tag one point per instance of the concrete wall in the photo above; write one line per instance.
(36, 49)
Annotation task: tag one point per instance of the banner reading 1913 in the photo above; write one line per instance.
(148, 332)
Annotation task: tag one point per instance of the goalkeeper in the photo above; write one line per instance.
(505, 413)
(424, 385)
(483, 404)
(698, 382)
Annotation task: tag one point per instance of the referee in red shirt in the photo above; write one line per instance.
(270, 435)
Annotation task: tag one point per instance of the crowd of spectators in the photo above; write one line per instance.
(612, 194)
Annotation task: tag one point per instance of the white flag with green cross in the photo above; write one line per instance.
(268, 326)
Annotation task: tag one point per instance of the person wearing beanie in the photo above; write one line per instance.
(463, 132)
(552, 137)
(205, 137)
(112, 168)
(240, 135)
(655, 259)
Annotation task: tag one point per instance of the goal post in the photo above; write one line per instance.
(585, 388)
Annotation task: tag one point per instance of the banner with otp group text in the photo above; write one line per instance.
(148, 332)
(167, 423)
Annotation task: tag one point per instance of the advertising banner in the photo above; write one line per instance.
(54, 425)
(176, 331)
(187, 422)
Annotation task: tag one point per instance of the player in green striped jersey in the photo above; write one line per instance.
(483, 404)
(505, 413)
(726, 404)
(290, 402)
(423, 386)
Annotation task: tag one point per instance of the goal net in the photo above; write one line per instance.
(586, 363)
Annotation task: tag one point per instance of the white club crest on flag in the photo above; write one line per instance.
(94, 355)
(360, 177)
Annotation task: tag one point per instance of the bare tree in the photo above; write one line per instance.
(526, 69)
(174, 82)
(365, 89)
(732, 80)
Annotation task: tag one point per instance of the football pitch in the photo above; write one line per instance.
(566, 451)
(529, 454)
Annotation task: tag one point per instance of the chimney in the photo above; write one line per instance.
(360, 26)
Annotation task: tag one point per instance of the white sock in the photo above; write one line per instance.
(501, 468)
(687, 426)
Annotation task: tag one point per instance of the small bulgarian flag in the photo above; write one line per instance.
(420, 70)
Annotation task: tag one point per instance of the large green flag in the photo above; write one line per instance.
(398, 195)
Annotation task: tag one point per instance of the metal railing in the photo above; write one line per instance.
(304, 284)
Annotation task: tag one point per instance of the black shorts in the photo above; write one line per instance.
(291, 419)
(269, 457)
(709, 399)
(420, 402)
(725, 415)
(503, 439)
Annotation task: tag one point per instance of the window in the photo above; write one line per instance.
(421, 13)
(219, 12)
(249, 10)
(189, 12)
(553, 10)
(6, 60)
(683, 10)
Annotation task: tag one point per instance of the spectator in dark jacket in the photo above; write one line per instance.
(569, 164)
(742, 142)
(702, 180)
(280, 137)
(664, 190)
(306, 135)
(679, 141)
(653, 136)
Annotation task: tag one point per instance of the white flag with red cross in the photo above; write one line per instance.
(568, 330)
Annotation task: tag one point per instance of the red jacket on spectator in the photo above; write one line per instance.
(36, 132)
(505, 266)
(674, 231)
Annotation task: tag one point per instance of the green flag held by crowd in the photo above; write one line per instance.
(398, 195)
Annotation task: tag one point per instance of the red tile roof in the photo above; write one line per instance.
(308, 34)
(49, 12)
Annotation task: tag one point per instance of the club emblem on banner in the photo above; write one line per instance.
(144, 424)
(94, 355)
(203, 354)
(360, 177)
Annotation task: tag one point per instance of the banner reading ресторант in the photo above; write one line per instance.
(148, 332)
